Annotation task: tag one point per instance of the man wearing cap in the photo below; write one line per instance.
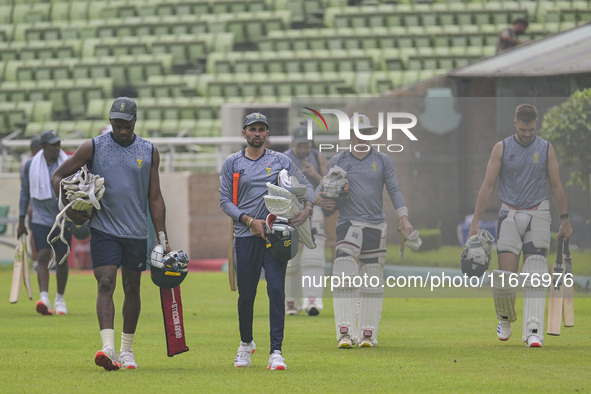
(256, 166)
(36, 189)
(361, 236)
(308, 263)
(119, 230)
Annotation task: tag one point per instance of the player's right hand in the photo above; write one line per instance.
(474, 227)
(326, 203)
(21, 229)
(78, 217)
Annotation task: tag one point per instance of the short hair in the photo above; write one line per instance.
(521, 21)
(526, 113)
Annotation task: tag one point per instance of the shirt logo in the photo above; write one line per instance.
(268, 169)
(374, 166)
(536, 157)
(139, 161)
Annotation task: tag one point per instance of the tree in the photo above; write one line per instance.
(568, 127)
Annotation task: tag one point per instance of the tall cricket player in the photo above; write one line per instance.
(309, 263)
(361, 235)
(524, 165)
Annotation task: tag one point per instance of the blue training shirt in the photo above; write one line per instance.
(254, 175)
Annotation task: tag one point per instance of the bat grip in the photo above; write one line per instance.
(235, 180)
(559, 251)
(566, 249)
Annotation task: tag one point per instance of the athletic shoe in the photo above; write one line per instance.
(346, 342)
(127, 359)
(504, 330)
(276, 362)
(291, 308)
(312, 310)
(60, 307)
(43, 307)
(533, 341)
(244, 351)
(366, 342)
(107, 358)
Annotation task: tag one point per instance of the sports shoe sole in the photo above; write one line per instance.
(345, 346)
(102, 360)
(42, 308)
(535, 344)
(279, 368)
(366, 344)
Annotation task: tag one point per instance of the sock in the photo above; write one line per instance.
(59, 297)
(45, 297)
(126, 342)
(108, 337)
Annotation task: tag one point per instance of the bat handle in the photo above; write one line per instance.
(559, 250)
(566, 249)
(162, 238)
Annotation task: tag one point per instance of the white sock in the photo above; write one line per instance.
(108, 337)
(126, 342)
(44, 296)
(59, 297)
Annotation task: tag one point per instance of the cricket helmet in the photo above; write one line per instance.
(477, 254)
(282, 239)
(172, 269)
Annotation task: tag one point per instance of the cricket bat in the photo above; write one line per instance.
(556, 294)
(25, 260)
(568, 306)
(17, 273)
(231, 266)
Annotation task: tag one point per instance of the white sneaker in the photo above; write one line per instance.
(346, 342)
(107, 358)
(504, 330)
(366, 342)
(291, 309)
(60, 307)
(244, 351)
(276, 362)
(127, 359)
(43, 306)
(533, 341)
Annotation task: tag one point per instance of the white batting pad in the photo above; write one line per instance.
(291, 184)
(534, 297)
(509, 236)
(345, 296)
(293, 285)
(504, 295)
(371, 301)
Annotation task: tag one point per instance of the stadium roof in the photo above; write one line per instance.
(560, 54)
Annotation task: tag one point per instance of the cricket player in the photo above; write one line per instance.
(258, 166)
(524, 164)
(36, 188)
(361, 237)
(119, 230)
(308, 262)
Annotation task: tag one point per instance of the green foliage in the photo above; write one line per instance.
(568, 127)
(431, 239)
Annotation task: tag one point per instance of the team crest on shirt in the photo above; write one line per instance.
(536, 157)
(268, 169)
(140, 161)
(374, 166)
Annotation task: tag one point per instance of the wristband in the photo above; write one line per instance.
(564, 216)
(310, 209)
(249, 222)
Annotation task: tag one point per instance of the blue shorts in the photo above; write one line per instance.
(40, 233)
(106, 249)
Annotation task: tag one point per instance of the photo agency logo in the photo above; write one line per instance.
(362, 129)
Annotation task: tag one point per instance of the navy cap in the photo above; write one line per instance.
(300, 135)
(50, 136)
(254, 118)
(123, 108)
(35, 142)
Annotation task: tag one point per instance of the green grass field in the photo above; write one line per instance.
(426, 344)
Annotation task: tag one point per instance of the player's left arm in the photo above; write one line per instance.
(393, 188)
(155, 199)
(558, 195)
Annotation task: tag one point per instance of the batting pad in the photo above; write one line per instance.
(534, 297)
(371, 302)
(172, 310)
(504, 295)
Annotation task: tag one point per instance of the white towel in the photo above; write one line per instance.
(39, 179)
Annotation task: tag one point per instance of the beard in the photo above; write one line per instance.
(256, 142)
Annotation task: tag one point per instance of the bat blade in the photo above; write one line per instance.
(556, 294)
(17, 275)
(568, 306)
(26, 273)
